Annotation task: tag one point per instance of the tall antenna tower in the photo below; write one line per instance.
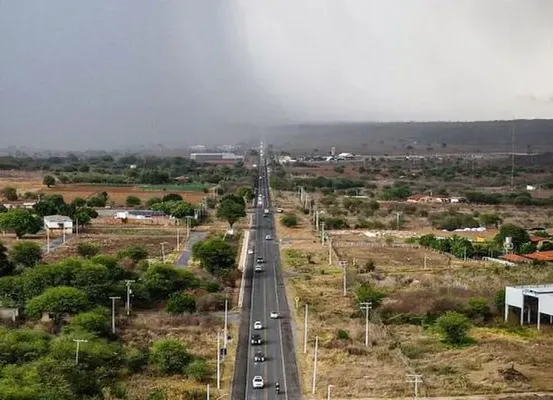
(512, 158)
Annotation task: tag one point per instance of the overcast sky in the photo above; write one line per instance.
(110, 73)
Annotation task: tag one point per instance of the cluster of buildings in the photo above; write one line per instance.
(423, 198)
(215, 157)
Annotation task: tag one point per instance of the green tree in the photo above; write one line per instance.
(161, 280)
(20, 221)
(6, 266)
(170, 356)
(152, 201)
(57, 300)
(517, 233)
(84, 215)
(246, 192)
(527, 248)
(215, 255)
(87, 249)
(18, 346)
(454, 327)
(180, 303)
(25, 254)
(478, 309)
(78, 202)
(96, 321)
(365, 292)
(289, 220)
(49, 180)
(10, 193)
(490, 219)
(133, 201)
(231, 208)
(199, 370)
(181, 209)
(171, 197)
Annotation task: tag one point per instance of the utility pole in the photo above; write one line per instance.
(317, 220)
(328, 391)
(207, 392)
(344, 265)
(47, 240)
(424, 265)
(78, 341)
(305, 331)
(163, 251)
(113, 299)
(512, 158)
(329, 252)
(415, 379)
(218, 360)
(315, 365)
(397, 220)
(188, 225)
(226, 326)
(129, 292)
(367, 306)
(178, 241)
(323, 233)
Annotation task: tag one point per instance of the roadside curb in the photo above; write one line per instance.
(242, 263)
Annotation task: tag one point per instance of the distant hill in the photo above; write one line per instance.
(415, 137)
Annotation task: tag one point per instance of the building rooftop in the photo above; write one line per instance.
(541, 255)
(57, 218)
(515, 258)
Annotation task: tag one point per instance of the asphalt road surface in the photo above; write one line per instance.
(183, 259)
(264, 292)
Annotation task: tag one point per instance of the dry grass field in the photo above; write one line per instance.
(398, 349)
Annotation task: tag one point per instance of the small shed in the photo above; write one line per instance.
(533, 301)
(61, 223)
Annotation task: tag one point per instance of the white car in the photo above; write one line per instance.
(268, 237)
(258, 382)
(257, 325)
(274, 315)
(258, 268)
(250, 251)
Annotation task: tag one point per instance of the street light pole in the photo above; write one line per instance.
(129, 291)
(78, 341)
(113, 299)
(178, 239)
(218, 360)
(328, 392)
(305, 331)
(344, 264)
(207, 392)
(315, 365)
(366, 307)
(225, 341)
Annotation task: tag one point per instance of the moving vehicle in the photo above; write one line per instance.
(268, 237)
(259, 357)
(279, 210)
(256, 339)
(258, 268)
(258, 382)
(257, 325)
(259, 260)
(274, 315)
(250, 251)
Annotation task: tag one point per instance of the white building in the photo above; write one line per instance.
(58, 222)
(533, 301)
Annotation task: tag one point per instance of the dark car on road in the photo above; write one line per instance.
(259, 260)
(259, 357)
(256, 339)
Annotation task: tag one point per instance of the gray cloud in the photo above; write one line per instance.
(111, 73)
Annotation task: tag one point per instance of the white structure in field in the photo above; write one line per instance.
(58, 222)
(534, 301)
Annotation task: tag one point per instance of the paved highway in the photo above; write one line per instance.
(264, 293)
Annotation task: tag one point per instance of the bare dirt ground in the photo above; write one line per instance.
(117, 194)
(481, 368)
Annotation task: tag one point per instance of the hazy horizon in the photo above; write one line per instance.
(115, 74)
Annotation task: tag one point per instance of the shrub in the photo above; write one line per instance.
(136, 359)
(198, 370)
(454, 327)
(499, 300)
(132, 201)
(135, 253)
(365, 292)
(181, 302)
(342, 334)
(57, 300)
(170, 356)
(478, 309)
(87, 249)
(211, 302)
(289, 220)
(25, 254)
(96, 321)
